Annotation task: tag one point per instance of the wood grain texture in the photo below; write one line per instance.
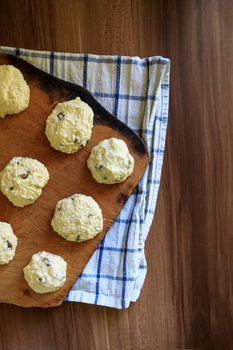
(186, 302)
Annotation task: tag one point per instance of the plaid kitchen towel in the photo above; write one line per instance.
(136, 91)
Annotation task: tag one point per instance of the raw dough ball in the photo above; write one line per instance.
(22, 180)
(8, 243)
(110, 161)
(77, 218)
(46, 272)
(14, 91)
(69, 126)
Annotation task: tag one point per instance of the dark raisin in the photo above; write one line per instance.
(61, 116)
(78, 238)
(129, 163)
(76, 140)
(46, 261)
(9, 245)
(11, 188)
(90, 215)
(25, 175)
(42, 279)
(105, 177)
(98, 167)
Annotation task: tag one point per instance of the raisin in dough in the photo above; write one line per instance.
(14, 91)
(46, 272)
(8, 243)
(69, 126)
(22, 180)
(110, 161)
(77, 218)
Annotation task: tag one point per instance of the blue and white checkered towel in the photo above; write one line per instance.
(136, 91)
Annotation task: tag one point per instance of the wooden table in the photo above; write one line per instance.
(186, 302)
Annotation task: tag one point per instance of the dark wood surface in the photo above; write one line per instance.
(186, 302)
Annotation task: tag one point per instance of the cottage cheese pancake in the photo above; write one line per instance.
(22, 180)
(77, 218)
(8, 243)
(14, 91)
(110, 161)
(46, 272)
(69, 126)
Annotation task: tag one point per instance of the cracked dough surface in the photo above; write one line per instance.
(14, 91)
(77, 218)
(46, 272)
(22, 180)
(69, 126)
(110, 161)
(8, 243)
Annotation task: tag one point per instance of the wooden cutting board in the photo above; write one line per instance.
(23, 135)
